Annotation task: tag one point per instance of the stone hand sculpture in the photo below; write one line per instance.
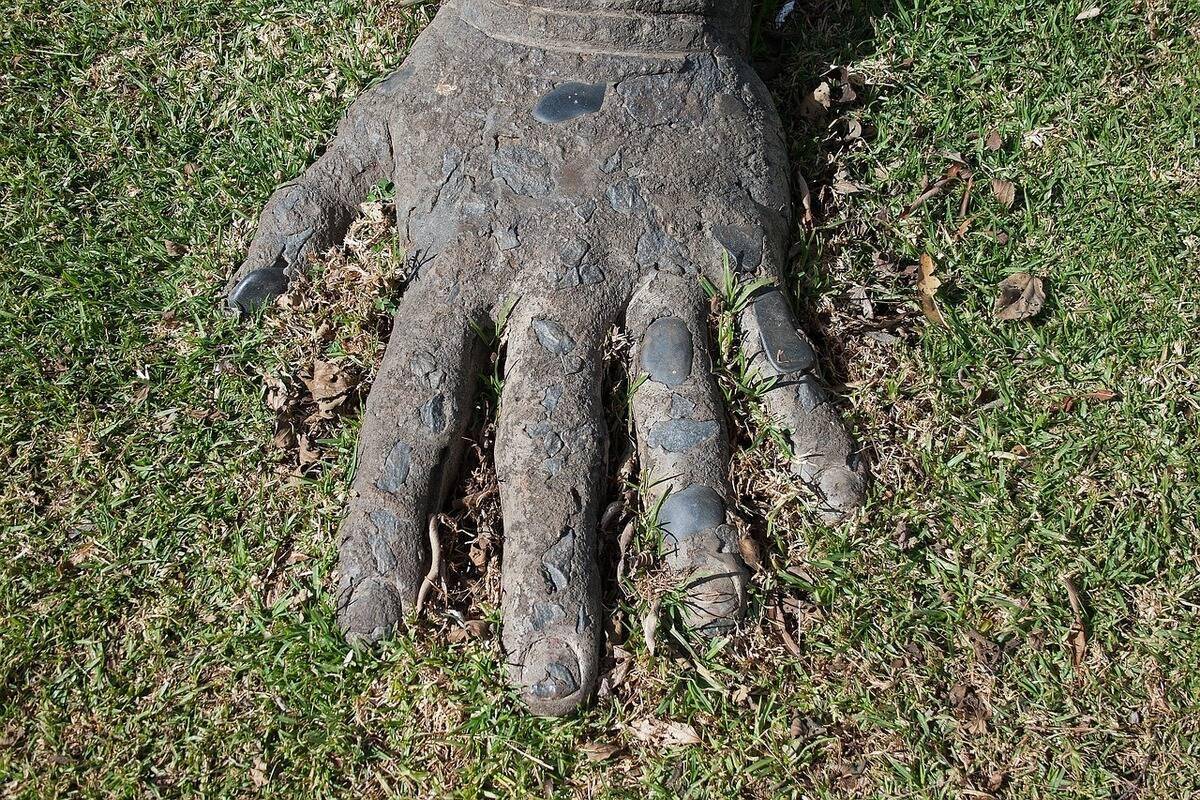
(591, 159)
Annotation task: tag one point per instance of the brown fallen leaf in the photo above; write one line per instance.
(277, 393)
(600, 751)
(1067, 404)
(1021, 297)
(927, 286)
(806, 203)
(329, 384)
(750, 552)
(993, 141)
(667, 734)
(174, 249)
(1005, 191)
(309, 453)
(650, 623)
(1077, 635)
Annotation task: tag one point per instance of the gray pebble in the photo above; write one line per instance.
(667, 351)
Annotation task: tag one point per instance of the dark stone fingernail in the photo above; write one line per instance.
(694, 510)
(257, 289)
(667, 351)
(786, 349)
(568, 101)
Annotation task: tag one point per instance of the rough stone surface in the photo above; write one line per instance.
(591, 160)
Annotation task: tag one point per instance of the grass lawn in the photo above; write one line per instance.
(1013, 615)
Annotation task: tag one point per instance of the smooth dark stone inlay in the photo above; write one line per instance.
(560, 681)
(667, 351)
(556, 563)
(786, 349)
(553, 337)
(257, 289)
(682, 435)
(694, 510)
(568, 101)
(395, 468)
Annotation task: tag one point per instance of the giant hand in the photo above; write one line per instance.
(591, 159)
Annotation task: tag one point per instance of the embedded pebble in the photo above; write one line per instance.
(553, 337)
(433, 414)
(810, 394)
(744, 249)
(586, 209)
(387, 530)
(786, 349)
(682, 435)
(582, 620)
(625, 196)
(395, 468)
(560, 681)
(667, 351)
(556, 563)
(544, 614)
(568, 101)
(257, 289)
(681, 407)
(551, 396)
(694, 510)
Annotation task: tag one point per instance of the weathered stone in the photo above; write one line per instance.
(744, 248)
(433, 414)
(667, 351)
(568, 101)
(546, 614)
(525, 171)
(567, 154)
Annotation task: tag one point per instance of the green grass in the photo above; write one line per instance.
(165, 624)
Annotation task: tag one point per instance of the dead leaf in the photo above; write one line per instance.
(1088, 13)
(749, 552)
(927, 282)
(82, 553)
(600, 751)
(1005, 191)
(805, 198)
(471, 629)
(329, 384)
(966, 198)
(1021, 297)
(174, 249)
(277, 393)
(843, 184)
(993, 141)
(1077, 643)
(668, 734)
(258, 772)
(309, 454)
(816, 102)
(650, 623)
